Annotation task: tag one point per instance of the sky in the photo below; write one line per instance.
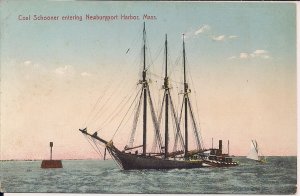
(61, 75)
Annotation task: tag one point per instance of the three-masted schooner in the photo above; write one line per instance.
(164, 159)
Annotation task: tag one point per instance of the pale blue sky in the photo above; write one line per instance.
(265, 26)
(242, 57)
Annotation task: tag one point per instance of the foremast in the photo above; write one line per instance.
(145, 98)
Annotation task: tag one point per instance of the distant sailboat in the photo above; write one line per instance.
(255, 154)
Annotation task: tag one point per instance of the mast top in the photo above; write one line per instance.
(144, 53)
(166, 80)
(166, 45)
(184, 69)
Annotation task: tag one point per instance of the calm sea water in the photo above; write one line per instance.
(278, 176)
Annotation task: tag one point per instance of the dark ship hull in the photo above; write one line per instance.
(132, 161)
(129, 161)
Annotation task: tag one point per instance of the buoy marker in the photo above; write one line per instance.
(51, 163)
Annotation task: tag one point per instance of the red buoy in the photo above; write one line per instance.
(51, 163)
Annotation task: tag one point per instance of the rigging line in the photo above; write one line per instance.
(134, 109)
(178, 132)
(125, 116)
(136, 40)
(94, 107)
(152, 73)
(176, 63)
(154, 119)
(116, 115)
(141, 68)
(175, 127)
(87, 138)
(150, 55)
(178, 98)
(196, 133)
(159, 87)
(156, 102)
(107, 100)
(162, 77)
(98, 101)
(100, 109)
(159, 100)
(180, 82)
(175, 106)
(136, 116)
(95, 142)
(128, 118)
(151, 66)
(179, 121)
(195, 96)
(154, 143)
(138, 61)
(117, 109)
(160, 114)
(156, 56)
(105, 91)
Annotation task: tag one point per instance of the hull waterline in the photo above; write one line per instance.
(128, 161)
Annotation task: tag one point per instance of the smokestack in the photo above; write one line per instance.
(228, 147)
(220, 146)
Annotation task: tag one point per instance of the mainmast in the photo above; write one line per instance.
(144, 81)
(166, 87)
(185, 104)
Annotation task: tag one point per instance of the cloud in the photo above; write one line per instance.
(202, 29)
(219, 38)
(260, 52)
(266, 57)
(85, 74)
(64, 70)
(31, 64)
(232, 57)
(27, 62)
(206, 30)
(263, 54)
(223, 37)
(244, 55)
(232, 36)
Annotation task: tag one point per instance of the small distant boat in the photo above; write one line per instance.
(255, 153)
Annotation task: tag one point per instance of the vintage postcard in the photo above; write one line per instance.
(148, 97)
